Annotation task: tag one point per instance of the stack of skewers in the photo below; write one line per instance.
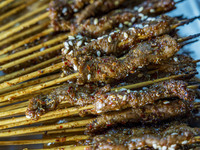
(104, 75)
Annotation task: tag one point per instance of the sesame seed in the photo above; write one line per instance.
(96, 21)
(75, 68)
(79, 43)
(120, 25)
(174, 134)
(79, 36)
(135, 8)
(164, 148)
(71, 37)
(173, 146)
(141, 15)
(98, 53)
(71, 52)
(89, 76)
(175, 59)
(64, 10)
(133, 19)
(126, 22)
(99, 38)
(144, 88)
(120, 96)
(86, 43)
(125, 35)
(154, 145)
(184, 142)
(139, 66)
(166, 102)
(140, 9)
(75, 10)
(152, 10)
(70, 43)
(65, 51)
(128, 91)
(92, 39)
(66, 45)
(124, 97)
(109, 39)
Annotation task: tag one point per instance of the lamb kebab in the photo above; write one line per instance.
(105, 100)
(169, 136)
(66, 15)
(148, 114)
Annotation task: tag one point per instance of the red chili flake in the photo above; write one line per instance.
(90, 127)
(61, 127)
(88, 67)
(66, 63)
(40, 71)
(98, 71)
(108, 125)
(69, 89)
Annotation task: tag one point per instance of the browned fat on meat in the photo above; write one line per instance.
(109, 68)
(151, 113)
(105, 101)
(170, 136)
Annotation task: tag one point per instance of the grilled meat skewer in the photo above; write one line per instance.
(169, 136)
(109, 68)
(151, 113)
(105, 100)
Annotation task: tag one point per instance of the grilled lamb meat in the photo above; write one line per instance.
(68, 15)
(151, 113)
(109, 68)
(169, 136)
(105, 100)
(117, 42)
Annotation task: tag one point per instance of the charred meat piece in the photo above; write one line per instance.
(61, 11)
(118, 100)
(71, 92)
(95, 27)
(104, 100)
(117, 42)
(109, 68)
(151, 113)
(169, 136)
(68, 15)
(98, 7)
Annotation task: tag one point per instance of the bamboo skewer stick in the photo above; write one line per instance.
(25, 41)
(36, 87)
(15, 106)
(33, 82)
(17, 9)
(4, 3)
(44, 91)
(67, 147)
(25, 33)
(142, 84)
(30, 50)
(23, 26)
(30, 14)
(24, 59)
(43, 141)
(31, 75)
(12, 112)
(8, 123)
(28, 70)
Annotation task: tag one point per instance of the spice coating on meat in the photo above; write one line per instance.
(61, 11)
(95, 27)
(109, 68)
(105, 101)
(118, 100)
(98, 7)
(71, 92)
(168, 137)
(151, 113)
